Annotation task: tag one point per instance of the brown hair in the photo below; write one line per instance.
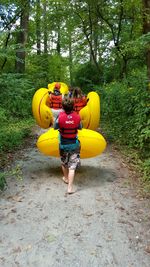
(68, 104)
(77, 92)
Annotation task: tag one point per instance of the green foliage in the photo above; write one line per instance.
(125, 114)
(57, 68)
(37, 69)
(3, 116)
(2, 181)
(146, 167)
(12, 134)
(125, 110)
(44, 69)
(87, 76)
(16, 93)
(15, 172)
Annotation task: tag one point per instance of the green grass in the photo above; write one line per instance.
(2, 181)
(12, 136)
(13, 133)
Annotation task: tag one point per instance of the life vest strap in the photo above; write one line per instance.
(53, 105)
(68, 131)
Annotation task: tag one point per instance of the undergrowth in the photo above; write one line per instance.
(133, 157)
(16, 172)
(125, 119)
(13, 135)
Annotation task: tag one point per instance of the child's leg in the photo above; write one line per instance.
(65, 173)
(71, 175)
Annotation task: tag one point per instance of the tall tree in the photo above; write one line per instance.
(89, 22)
(45, 27)
(146, 29)
(38, 27)
(9, 15)
(22, 37)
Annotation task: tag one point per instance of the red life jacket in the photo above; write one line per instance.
(79, 103)
(68, 124)
(55, 101)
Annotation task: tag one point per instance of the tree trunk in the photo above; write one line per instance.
(6, 44)
(70, 59)
(38, 27)
(22, 38)
(45, 28)
(58, 39)
(146, 29)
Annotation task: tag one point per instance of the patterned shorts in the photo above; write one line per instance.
(70, 159)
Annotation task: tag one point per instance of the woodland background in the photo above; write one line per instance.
(95, 44)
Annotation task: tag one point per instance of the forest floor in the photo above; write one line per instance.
(106, 223)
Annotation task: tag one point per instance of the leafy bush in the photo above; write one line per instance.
(12, 134)
(44, 69)
(87, 76)
(2, 181)
(37, 69)
(3, 116)
(16, 92)
(15, 172)
(125, 111)
(146, 167)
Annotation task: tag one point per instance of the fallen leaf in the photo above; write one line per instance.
(99, 198)
(147, 249)
(78, 234)
(28, 247)
(125, 222)
(16, 250)
(50, 238)
(12, 220)
(120, 208)
(14, 210)
(109, 237)
(88, 214)
(16, 198)
(93, 252)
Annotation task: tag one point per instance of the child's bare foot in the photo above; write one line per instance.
(71, 190)
(65, 180)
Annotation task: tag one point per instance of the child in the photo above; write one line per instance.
(80, 100)
(55, 99)
(68, 123)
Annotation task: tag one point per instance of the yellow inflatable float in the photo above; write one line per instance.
(92, 142)
(90, 114)
(40, 105)
(63, 89)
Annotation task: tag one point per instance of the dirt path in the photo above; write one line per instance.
(104, 224)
